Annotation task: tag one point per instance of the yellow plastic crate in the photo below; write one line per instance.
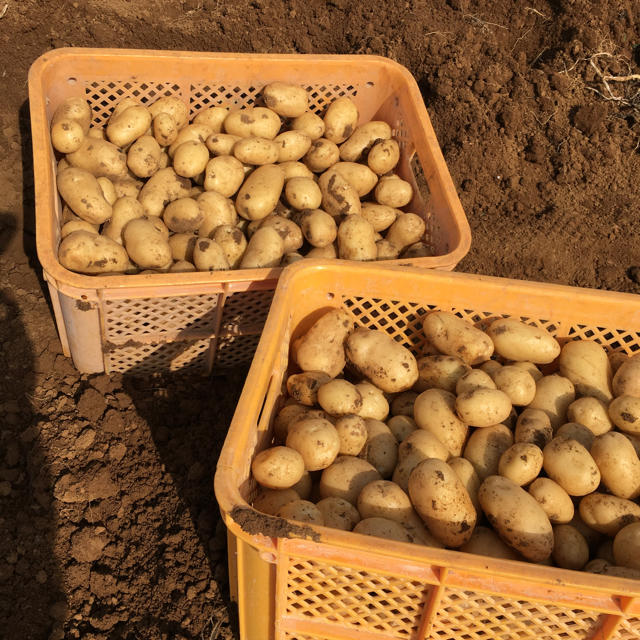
(298, 582)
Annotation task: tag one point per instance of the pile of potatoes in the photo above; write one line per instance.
(255, 187)
(499, 442)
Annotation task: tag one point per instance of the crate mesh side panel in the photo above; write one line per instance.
(616, 339)
(355, 599)
(103, 95)
(164, 318)
(151, 358)
(629, 629)
(467, 615)
(245, 311)
(232, 351)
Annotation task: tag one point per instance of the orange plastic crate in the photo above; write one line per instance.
(152, 322)
(294, 581)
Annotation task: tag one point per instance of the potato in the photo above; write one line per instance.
(485, 447)
(322, 154)
(286, 416)
(356, 239)
(270, 500)
(626, 381)
(257, 122)
(434, 411)
(295, 170)
(217, 211)
(223, 174)
(618, 463)
(303, 193)
(624, 412)
(393, 191)
(164, 129)
(76, 109)
(608, 514)
(418, 250)
(359, 176)
(82, 192)
(585, 363)
(67, 135)
(536, 374)
(367, 349)
(182, 246)
(386, 250)
(592, 413)
(183, 216)
(555, 501)
(440, 371)
(442, 502)
(146, 245)
(577, 432)
(303, 387)
(108, 190)
(457, 337)
(383, 156)
(401, 426)
(483, 407)
(490, 367)
(381, 448)
(172, 106)
(384, 499)
(128, 125)
(77, 225)
(143, 157)
(277, 467)
(318, 227)
(534, 426)
(407, 229)
(515, 340)
(604, 568)
(474, 379)
(374, 403)
(338, 196)
(568, 463)
(256, 151)
(420, 445)
(259, 194)
(469, 478)
(635, 441)
(123, 210)
(316, 439)
(232, 242)
(626, 546)
(289, 231)
(339, 397)
(291, 146)
(517, 383)
(383, 528)
(99, 157)
(90, 253)
(570, 549)
(353, 434)
(340, 119)
(616, 360)
(346, 477)
(323, 253)
(182, 266)
(127, 187)
(221, 144)
(338, 513)
(163, 187)
(517, 517)
(321, 348)
(264, 249)
(301, 511)
(190, 158)
(362, 139)
(213, 117)
(310, 124)
(521, 463)
(380, 216)
(554, 394)
(485, 542)
(605, 551)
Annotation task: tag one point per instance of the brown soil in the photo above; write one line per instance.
(108, 522)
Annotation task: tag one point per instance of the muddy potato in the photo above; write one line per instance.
(264, 249)
(359, 176)
(164, 129)
(362, 139)
(256, 151)
(221, 144)
(346, 477)
(381, 448)
(407, 229)
(190, 158)
(223, 174)
(417, 250)
(259, 194)
(485, 542)
(99, 157)
(380, 216)
(624, 412)
(82, 192)
(442, 502)
(128, 125)
(182, 246)
(277, 467)
(440, 372)
(123, 210)
(626, 381)
(383, 528)
(183, 215)
(233, 243)
(90, 253)
(340, 119)
(381, 360)
(258, 122)
(67, 135)
(338, 196)
(322, 154)
(569, 464)
(570, 549)
(474, 379)
(172, 106)
(217, 210)
(213, 118)
(339, 397)
(484, 448)
(469, 478)
(143, 157)
(356, 239)
(289, 231)
(457, 337)
(316, 439)
(310, 124)
(554, 394)
(618, 463)
(163, 187)
(608, 514)
(517, 383)
(434, 411)
(515, 340)
(383, 156)
(301, 511)
(76, 109)
(626, 546)
(338, 513)
(269, 501)
(577, 432)
(303, 193)
(401, 426)
(303, 387)
(393, 191)
(555, 501)
(77, 225)
(517, 517)
(374, 403)
(146, 245)
(586, 364)
(521, 463)
(353, 434)
(483, 407)
(386, 250)
(287, 100)
(534, 426)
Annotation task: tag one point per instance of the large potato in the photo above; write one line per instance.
(555, 501)
(407, 229)
(90, 253)
(568, 463)
(277, 467)
(317, 441)
(586, 364)
(163, 187)
(618, 464)
(356, 239)
(287, 100)
(223, 174)
(624, 412)
(99, 157)
(340, 119)
(515, 340)
(484, 448)
(259, 122)
(554, 394)
(626, 546)
(259, 194)
(217, 210)
(183, 215)
(123, 210)
(517, 517)
(626, 381)
(362, 139)
(82, 192)
(521, 463)
(233, 243)
(338, 513)
(128, 125)
(440, 372)
(146, 245)
(338, 196)
(346, 477)
(483, 407)
(457, 337)
(381, 360)
(264, 249)
(359, 176)
(608, 514)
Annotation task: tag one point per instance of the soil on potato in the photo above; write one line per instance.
(108, 521)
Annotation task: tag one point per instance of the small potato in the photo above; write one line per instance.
(164, 129)
(534, 426)
(233, 243)
(346, 477)
(440, 372)
(270, 500)
(99, 157)
(474, 379)
(374, 403)
(190, 158)
(123, 210)
(515, 340)
(626, 546)
(554, 394)
(183, 216)
(517, 383)
(301, 511)
(521, 463)
(221, 144)
(77, 225)
(366, 349)
(287, 100)
(285, 416)
(265, 249)
(67, 135)
(517, 517)
(362, 139)
(586, 364)
(569, 464)
(457, 337)
(617, 359)
(442, 502)
(182, 245)
(434, 411)
(555, 501)
(608, 514)
(359, 176)
(417, 250)
(338, 196)
(425, 443)
(618, 463)
(289, 231)
(143, 157)
(339, 397)
(603, 568)
(256, 151)
(340, 119)
(592, 413)
(384, 499)
(408, 229)
(469, 478)
(163, 187)
(381, 448)
(356, 239)
(485, 542)
(322, 154)
(303, 193)
(303, 387)
(194, 133)
(394, 192)
(536, 374)
(295, 170)
(310, 124)
(82, 192)
(383, 528)
(73, 108)
(259, 194)
(173, 106)
(386, 250)
(208, 255)
(182, 266)
(223, 174)
(380, 216)
(90, 253)
(624, 412)
(483, 407)
(577, 432)
(108, 190)
(324, 253)
(126, 187)
(292, 145)
(353, 434)
(490, 367)
(217, 210)
(485, 447)
(570, 549)
(146, 245)
(277, 467)
(213, 118)
(128, 125)
(316, 439)
(383, 156)
(401, 427)
(626, 381)
(338, 513)
(258, 122)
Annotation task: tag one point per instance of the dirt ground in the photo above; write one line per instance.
(108, 521)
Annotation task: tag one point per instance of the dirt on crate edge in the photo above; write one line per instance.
(254, 522)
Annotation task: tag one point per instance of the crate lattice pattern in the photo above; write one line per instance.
(232, 351)
(245, 312)
(164, 318)
(355, 599)
(629, 629)
(616, 339)
(151, 358)
(466, 615)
